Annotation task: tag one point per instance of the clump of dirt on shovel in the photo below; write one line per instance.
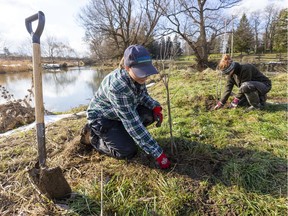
(14, 114)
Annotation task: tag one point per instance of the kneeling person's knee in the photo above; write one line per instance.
(246, 87)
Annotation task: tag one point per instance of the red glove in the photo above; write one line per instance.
(163, 161)
(219, 105)
(234, 103)
(158, 116)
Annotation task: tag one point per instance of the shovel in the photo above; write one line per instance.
(50, 181)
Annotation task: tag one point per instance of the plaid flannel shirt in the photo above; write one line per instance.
(117, 99)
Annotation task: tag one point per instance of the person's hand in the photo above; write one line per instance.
(163, 161)
(219, 105)
(234, 103)
(158, 116)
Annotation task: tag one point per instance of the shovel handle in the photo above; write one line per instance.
(37, 79)
(41, 22)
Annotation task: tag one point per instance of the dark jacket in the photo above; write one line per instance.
(241, 74)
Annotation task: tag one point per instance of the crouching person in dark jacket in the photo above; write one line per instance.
(122, 108)
(253, 85)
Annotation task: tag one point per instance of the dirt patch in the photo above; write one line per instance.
(14, 114)
(210, 102)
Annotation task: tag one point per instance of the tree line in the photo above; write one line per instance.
(170, 28)
(51, 48)
(198, 27)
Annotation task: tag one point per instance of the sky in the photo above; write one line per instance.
(60, 20)
(248, 6)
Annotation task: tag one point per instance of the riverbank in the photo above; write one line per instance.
(25, 64)
(12, 66)
(228, 162)
(265, 62)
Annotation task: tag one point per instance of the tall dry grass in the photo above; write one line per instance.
(10, 66)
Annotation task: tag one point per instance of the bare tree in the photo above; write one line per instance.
(255, 21)
(50, 46)
(4, 46)
(112, 25)
(199, 23)
(53, 47)
(270, 17)
(25, 47)
(167, 56)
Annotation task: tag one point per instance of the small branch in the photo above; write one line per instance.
(165, 79)
(101, 213)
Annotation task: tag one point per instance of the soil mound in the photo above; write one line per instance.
(14, 114)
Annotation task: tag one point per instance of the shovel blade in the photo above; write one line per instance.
(50, 182)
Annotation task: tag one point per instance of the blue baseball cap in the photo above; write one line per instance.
(139, 60)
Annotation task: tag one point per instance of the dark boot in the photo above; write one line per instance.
(258, 107)
(263, 99)
(243, 102)
(253, 99)
(85, 135)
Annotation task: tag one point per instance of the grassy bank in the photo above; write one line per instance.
(25, 64)
(229, 162)
(12, 66)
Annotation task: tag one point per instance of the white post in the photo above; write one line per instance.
(232, 37)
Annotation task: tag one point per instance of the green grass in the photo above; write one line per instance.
(228, 162)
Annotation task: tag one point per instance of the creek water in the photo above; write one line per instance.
(62, 90)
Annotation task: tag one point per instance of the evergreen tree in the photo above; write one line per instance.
(177, 51)
(154, 49)
(169, 47)
(163, 49)
(243, 36)
(280, 37)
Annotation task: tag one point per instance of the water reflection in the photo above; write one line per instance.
(62, 90)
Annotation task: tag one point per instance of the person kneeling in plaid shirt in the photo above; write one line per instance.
(122, 108)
